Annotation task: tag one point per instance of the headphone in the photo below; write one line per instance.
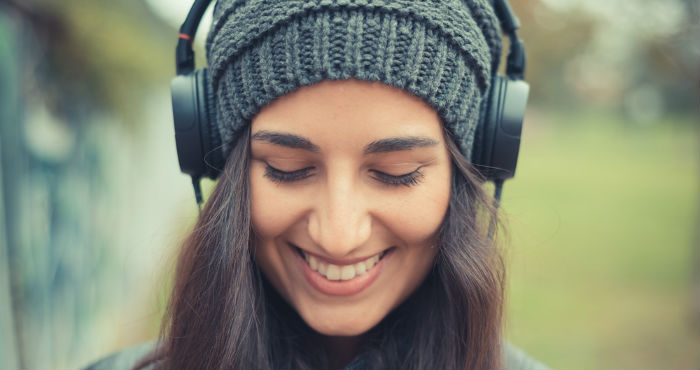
(496, 142)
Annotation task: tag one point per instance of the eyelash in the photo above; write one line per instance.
(279, 176)
(408, 180)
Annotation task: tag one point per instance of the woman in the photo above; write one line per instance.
(348, 228)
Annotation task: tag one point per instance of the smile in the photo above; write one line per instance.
(341, 278)
(341, 272)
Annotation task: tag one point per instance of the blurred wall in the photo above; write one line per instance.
(91, 191)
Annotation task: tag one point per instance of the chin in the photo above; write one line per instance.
(340, 324)
(343, 330)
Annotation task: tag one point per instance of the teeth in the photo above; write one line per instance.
(347, 272)
(335, 272)
(360, 268)
(373, 260)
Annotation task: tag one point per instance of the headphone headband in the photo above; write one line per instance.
(184, 55)
(515, 63)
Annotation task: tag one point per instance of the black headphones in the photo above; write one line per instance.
(199, 146)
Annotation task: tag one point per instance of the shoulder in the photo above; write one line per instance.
(124, 359)
(514, 358)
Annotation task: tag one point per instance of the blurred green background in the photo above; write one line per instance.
(604, 248)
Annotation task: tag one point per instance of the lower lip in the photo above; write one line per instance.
(341, 287)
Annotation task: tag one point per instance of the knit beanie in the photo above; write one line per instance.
(441, 51)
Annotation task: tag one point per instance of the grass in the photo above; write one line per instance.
(604, 244)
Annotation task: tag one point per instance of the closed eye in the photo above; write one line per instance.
(280, 176)
(408, 179)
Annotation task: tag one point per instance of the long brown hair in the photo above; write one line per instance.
(223, 314)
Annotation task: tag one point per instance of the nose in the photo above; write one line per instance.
(340, 220)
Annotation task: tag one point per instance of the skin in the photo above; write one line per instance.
(341, 209)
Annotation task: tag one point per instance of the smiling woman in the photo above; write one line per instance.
(314, 196)
(350, 181)
(349, 228)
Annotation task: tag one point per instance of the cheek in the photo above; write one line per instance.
(265, 206)
(417, 216)
(274, 208)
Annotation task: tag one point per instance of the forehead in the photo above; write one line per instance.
(350, 111)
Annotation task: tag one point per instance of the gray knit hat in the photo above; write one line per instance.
(441, 51)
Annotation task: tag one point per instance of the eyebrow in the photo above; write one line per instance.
(387, 145)
(288, 140)
(396, 144)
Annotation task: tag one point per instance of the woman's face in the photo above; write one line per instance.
(350, 181)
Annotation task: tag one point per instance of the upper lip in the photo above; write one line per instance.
(336, 261)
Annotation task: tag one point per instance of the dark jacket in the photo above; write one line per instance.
(513, 357)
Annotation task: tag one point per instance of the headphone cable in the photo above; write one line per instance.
(496, 202)
(197, 192)
(497, 192)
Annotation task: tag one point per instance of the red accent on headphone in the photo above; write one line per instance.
(185, 36)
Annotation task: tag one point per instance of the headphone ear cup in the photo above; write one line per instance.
(212, 155)
(483, 139)
(196, 135)
(497, 140)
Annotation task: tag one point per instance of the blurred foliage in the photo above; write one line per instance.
(598, 53)
(98, 54)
